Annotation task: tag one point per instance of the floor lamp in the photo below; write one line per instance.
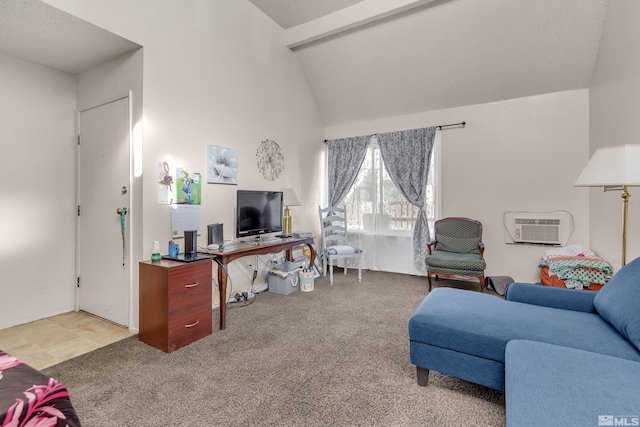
(614, 168)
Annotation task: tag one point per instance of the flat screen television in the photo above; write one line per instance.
(258, 212)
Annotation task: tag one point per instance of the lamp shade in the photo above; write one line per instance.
(611, 166)
(290, 198)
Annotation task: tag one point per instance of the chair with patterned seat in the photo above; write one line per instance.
(333, 223)
(457, 250)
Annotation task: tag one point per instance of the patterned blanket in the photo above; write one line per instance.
(578, 271)
(30, 398)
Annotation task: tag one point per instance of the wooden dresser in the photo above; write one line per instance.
(175, 303)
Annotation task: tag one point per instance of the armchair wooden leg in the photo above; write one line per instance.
(481, 283)
(423, 376)
(429, 278)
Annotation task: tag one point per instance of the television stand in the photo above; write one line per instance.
(224, 256)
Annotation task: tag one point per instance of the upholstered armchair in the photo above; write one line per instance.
(457, 250)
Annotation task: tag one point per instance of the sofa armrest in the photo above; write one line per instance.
(548, 296)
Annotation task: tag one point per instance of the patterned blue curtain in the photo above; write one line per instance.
(406, 155)
(345, 156)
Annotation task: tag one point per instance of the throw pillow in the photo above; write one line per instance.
(618, 301)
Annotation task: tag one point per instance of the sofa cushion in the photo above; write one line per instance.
(618, 301)
(342, 250)
(482, 324)
(548, 385)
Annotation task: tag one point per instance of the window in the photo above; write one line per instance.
(380, 220)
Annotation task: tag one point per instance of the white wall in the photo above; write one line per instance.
(37, 199)
(517, 155)
(216, 72)
(614, 112)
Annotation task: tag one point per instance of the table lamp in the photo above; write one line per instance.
(614, 168)
(289, 198)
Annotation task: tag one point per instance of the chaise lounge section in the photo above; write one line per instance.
(466, 334)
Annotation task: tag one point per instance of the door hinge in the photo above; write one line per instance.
(78, 210)
(78, 139)
(78, 281)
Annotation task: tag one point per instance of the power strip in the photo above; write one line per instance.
(241, 296)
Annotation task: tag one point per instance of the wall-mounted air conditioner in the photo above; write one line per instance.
(545, 228)
(537, 230)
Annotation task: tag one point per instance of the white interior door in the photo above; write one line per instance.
(104, 182)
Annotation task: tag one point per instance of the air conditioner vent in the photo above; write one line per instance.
(538, 228)
(537, 231)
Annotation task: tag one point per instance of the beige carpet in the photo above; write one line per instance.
(337, 356)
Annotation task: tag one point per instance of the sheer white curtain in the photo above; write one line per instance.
(381, 220)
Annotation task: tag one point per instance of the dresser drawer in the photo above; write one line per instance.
(188, 325)
(189, 286)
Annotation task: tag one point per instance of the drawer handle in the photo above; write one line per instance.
(193, 285)
(192, 325)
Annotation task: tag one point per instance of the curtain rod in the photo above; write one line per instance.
(452, 124)
(438, 126)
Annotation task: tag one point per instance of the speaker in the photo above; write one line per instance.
(214, 234)
(190, 242)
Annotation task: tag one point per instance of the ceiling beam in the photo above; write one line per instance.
(342, 20)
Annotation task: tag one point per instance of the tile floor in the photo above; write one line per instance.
(49, 341)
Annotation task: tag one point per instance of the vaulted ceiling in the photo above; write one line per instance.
(370, 59)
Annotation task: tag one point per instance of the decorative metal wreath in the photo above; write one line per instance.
(270, 160)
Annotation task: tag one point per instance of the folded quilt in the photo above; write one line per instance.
(578, 271)
(575, 250)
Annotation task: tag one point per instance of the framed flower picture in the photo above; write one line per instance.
(222, 165)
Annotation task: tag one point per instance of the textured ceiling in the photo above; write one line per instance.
(37, 32)
(289, 13)
(450, 53)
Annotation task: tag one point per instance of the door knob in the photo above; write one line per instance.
(120, 211)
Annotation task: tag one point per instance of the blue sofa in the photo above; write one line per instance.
(472, 336)
(550, 385)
